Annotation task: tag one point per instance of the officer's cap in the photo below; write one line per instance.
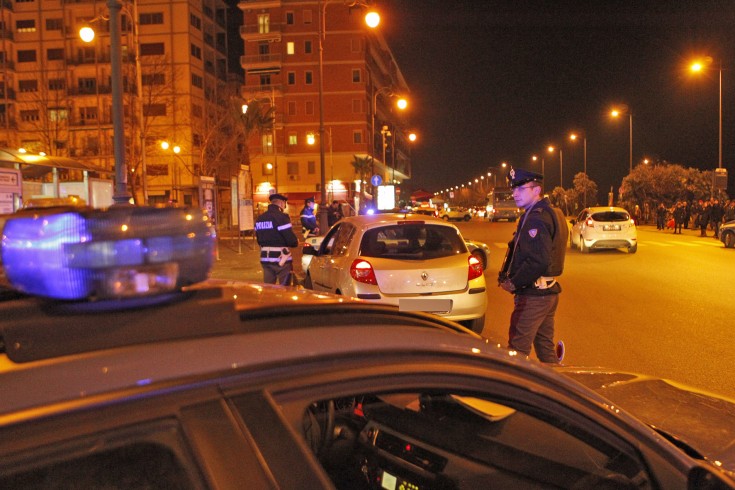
(308, 200)
(279, 197)
(519, 176)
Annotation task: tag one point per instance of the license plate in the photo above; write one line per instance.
(611, 228)
(429, 305)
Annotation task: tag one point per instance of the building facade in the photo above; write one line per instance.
(56, 89)
(361, 83)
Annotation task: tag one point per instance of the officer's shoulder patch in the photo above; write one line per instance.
(533, 232)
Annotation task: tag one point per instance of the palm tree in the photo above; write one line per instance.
(255, 117)
(363, 166)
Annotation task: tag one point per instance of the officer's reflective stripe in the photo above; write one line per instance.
(284, 227)
(274, 259)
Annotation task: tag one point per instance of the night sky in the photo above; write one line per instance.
(495, 81)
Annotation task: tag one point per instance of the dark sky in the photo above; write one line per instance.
(495, 81)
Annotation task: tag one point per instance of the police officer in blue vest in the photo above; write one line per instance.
(534, 260)
(309, 225)
(275, 236)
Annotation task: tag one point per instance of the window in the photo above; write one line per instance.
(195, 21)
(196, 51)
(356, 75)
(26, 55)
(54, 24)
(153, 79)
(357, 137)
(28, 25)
(309, 107)
(307, 16)
(88, 113)
(311, 167)
(291, 108)
(55, 54)
(58, 114)
(290, 48)
(266, 143)
(56, 84)
(264, 49)
(289, 18)
(292, 139)
(151, 49)
(150, 18)
(87, 85)
(291, 77)
(196, 80)
(154, 109)
(264, 23)
(28, 85)
(307, 47)
(308, 77)
(196, 140)
(265, 79)
(292, 168)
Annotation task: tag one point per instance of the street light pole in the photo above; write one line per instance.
(121, 194)
(630, 139)
(719, 159)
(323, 212)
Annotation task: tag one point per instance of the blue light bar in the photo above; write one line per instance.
(121, 252)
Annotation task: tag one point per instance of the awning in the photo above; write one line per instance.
(34, 166)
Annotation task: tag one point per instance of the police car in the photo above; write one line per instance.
(121, 366)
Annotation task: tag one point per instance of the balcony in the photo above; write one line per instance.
(260, 33)
(261, 63)
(259, 4)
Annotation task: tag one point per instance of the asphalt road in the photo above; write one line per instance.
(667, 310)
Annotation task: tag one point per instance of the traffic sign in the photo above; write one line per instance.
(376, 180)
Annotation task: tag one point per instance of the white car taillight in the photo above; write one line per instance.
(475, 268)
(362, 271)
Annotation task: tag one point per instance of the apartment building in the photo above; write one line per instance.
(56, 89)
(360, 87)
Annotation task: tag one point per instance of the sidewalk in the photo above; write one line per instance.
(239, 260)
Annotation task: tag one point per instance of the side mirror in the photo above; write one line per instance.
(308, 249)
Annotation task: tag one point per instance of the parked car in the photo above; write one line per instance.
(459, 214)
(727, 234)
(418, 264)
(603, 227)
(132, 372)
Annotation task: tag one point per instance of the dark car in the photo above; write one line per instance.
(120, 368)
(727, 234)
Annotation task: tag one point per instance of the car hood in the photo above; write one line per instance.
(701, 420)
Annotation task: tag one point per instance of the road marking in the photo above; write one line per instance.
(658, 244)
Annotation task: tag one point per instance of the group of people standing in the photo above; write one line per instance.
(702, 214)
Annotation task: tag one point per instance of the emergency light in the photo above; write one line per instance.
(120, 252)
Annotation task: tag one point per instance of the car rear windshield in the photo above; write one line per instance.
(412, 242)
(611, 216)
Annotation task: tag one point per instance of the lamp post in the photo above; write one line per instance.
(372, 19)
(561, 165)
(697, 67)
(617, 113)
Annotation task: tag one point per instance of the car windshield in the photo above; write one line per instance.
(611, 216)
(412, 242)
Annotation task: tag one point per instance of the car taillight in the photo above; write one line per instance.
(590, 222)
(475, 268)
(362, 271)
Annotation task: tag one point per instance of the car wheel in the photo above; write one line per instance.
(467, 217)
(445, 217)
(477, 325)
(633, 249)
(480, 255)
(307, 282)
(729, 239)
(582, 247)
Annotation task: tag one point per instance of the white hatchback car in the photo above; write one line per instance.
(417, 263)
(603, 227)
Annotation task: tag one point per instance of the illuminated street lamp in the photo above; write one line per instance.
(697, 67)
(543, 173)
(618, 112)
(372, 19)
(551, 149)
(574, 137)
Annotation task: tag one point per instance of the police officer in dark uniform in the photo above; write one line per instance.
(309, 225)
(275, 236)
(534, 260)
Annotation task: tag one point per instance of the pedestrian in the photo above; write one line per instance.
(275, 236)
(716, 215)
(704, 218)
(334, 213)
(309, 225)
(637, 215)
(661, 216)
(679, 213)
(534, 260)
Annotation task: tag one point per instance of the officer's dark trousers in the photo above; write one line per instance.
(532, 323)
(277, 274)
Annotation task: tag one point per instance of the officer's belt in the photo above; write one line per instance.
(544, 282)
(271, 252)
